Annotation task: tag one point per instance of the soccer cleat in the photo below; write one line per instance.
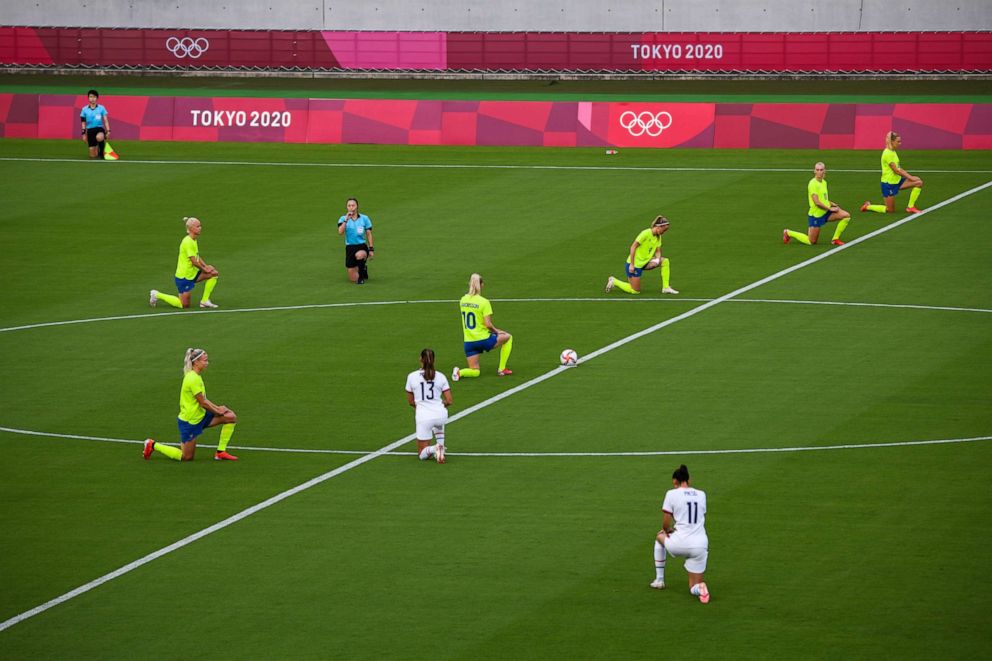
(864, 207)
(359, 282)
(837, 242)
(658, 584)
(223, 456)
(206, 303)
(912, 210)
(669, 290)
(704, 594)
(439, 453)
(609, 284)
(785, 237)
(504, 372)
(153, 297)
(456, 374)
(149, 448)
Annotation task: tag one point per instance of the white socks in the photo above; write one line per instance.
(659, 560)
(428, 452)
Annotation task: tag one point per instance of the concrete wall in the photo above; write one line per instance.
(518, 15)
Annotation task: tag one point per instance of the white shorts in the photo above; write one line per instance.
(695, 555)
(427, 427)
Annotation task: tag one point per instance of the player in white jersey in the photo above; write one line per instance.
(428, 392)
(683, 534)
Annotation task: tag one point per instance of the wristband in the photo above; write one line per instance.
(82, 132)
(371, 248)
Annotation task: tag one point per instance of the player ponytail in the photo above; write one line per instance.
(474, 284)
(427, 361)
(192, 355)
(890, 138)
(681, 474)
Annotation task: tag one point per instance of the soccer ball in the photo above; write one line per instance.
(569, 358)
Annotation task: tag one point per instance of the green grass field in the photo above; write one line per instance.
(866, 552)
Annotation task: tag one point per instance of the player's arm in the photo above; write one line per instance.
(341, 224)
(106, 122)
(667, 522)
(633, 252)
(410, 400)
(898, 170)
(446, 398)
(823, 204)
(202, 265)
(82, 126)
(370, 242)
(488, 321)
(207, 405)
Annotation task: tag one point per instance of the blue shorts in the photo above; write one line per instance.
(480, 346)
(189, 432)
(184, 285)
(891, 190)
(818, 221)
(631, 271)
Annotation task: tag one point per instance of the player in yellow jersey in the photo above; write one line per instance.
(196, 413)
(821, 212)
(190, 270)
(894, 179)
(479, 333)
(645, 255)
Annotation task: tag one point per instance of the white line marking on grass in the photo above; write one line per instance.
(426, 301)
(472, 166)
(481, 405)
(637, 453)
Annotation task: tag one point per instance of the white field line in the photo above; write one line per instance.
(430, 301)
(489, 402)
(638, 453)
(471, 166)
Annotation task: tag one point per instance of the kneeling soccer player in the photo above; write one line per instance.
(683, 534)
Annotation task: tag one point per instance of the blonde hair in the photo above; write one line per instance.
(192, 355)
(474, 284)
(891, 137)
(189, 220)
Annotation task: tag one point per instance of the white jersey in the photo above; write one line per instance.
(427, 394)
(688, 508)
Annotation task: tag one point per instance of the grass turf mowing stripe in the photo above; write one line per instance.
(396, 444)
(319, 306)
(476, 166)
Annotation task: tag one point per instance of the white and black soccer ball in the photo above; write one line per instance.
(569, 358)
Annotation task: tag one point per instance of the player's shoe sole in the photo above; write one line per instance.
(456, 374)
(704, 594)
(153, 298)
(148, 449)
(785, 237)
(609, 284)
(439, 454)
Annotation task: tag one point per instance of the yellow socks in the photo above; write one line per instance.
(468, 373)
(666, 271)
(841, 226)
(801, 238)
(171, 300)
(226, 432)
(914, 196)
(504, 354)
(877, 208)
(169, 451)
(208, 288)
(623, 286)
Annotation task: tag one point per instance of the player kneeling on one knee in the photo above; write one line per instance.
(683, 534)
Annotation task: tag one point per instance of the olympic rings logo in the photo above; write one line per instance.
(187, 46)
(645, 123)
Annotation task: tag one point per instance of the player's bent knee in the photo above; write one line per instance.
(361, 254)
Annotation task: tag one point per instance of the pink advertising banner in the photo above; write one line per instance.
(507, 123)
(498, 51)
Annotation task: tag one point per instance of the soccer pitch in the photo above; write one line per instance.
(835, 407)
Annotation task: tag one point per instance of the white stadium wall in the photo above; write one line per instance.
(512, 15)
